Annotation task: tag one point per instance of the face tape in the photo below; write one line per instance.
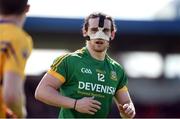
(101, 21)
(100, 34)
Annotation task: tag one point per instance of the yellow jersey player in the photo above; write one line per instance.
(15, 48)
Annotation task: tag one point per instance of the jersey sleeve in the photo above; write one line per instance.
(123, 80)
(17, 53)
(59, 68)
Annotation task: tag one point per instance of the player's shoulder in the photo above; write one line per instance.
(13, 30)
(78, 54)
(69, 56)
(16, 33)
(23, 36)
(114, 63)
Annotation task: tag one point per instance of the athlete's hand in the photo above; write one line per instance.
(10, 114)
(127, 110)
(87, 105)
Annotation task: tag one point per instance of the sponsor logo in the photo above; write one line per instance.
(96, 88)
(86, 71)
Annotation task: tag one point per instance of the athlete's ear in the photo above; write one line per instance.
(27, 8)
(84, 33)
(113, 35)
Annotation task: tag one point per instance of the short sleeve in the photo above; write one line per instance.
(59, 68)
(123, 80)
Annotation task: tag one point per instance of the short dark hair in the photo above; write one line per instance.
(8, 7)
(95, 15)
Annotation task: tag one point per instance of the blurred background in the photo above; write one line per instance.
(147, 44)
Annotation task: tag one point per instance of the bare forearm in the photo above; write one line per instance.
(13, 93)
(17, 105)
(52, 97)
(124, 103)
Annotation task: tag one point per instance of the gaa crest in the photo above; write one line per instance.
(113, 75)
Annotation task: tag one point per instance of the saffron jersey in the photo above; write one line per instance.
(84, 76)
(15, 48)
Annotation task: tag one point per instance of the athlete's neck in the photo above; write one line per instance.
(97, 55)
(14, 19)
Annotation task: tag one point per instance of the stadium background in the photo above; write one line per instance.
(150, 45)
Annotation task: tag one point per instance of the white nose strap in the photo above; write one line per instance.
(99, 35)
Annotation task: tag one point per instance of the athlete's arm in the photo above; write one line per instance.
(13, 93)
(124, 103)
(47, 92)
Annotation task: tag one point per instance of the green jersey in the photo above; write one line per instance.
(84, 76)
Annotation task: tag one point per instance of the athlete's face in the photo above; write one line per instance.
(99, 37)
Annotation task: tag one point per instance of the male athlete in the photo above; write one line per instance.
(88, 79)
(15, 47)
